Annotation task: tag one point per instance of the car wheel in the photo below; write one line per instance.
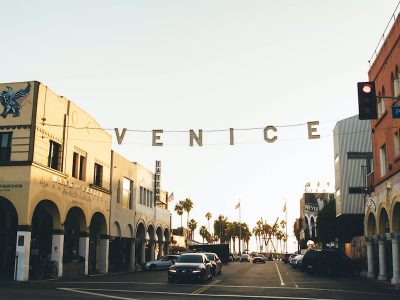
(153, 268)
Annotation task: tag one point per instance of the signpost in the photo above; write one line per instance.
(396, 112)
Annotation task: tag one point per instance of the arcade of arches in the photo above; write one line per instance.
(382, 229)
(78, 246)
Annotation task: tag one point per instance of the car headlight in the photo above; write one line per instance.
(172, 269)
(197, 270)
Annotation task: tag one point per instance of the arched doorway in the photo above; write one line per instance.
(117, 255)
(8, 236)
(159, 245)
(385, 245)
(74, 227)
(306, 226)
(98, 244)
(167, 241)
(140, 244)
(45, 219)
(396, 217)
(313, 229)
(151, 243)
(371, 225)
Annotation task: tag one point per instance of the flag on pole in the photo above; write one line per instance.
(170, 197)
(284, 207)
(237, 205)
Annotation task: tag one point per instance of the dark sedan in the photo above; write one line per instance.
(190, 266)
(215, 263)
(259, 259)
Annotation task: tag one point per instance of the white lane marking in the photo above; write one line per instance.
(236, 286)
(95, 294)
(279, 273)
(86, 291)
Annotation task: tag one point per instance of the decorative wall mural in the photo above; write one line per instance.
(8, 98)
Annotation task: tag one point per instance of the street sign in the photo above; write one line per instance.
(396, 112)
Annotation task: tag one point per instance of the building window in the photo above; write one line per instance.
(141, 195)
(55, 156)
(396, 142)
(151, 199)
(381, 103)
(383, 158)
(127, 193)
(119, 192)
(98, 175)
(5, 146)
(79, 166)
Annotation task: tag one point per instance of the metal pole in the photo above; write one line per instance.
(220, 229)
(240, 227)
(286, 227)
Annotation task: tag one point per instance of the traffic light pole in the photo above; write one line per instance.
(388, 97)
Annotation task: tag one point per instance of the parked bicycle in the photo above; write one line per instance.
(46, 268)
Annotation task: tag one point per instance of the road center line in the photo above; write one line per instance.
(279, 273)
(203, 288)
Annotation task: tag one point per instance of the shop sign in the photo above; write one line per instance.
(157, 182)
(7, 187)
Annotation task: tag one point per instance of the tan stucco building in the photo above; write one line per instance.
(55, 190)
(140, 227)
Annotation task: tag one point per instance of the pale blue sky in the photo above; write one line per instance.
(206, 65)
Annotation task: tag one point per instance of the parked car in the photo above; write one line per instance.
(190, 266)
(259, 258)
(245, 258)
(294, 261)
(270, 257)
(285, 257)
(161, 264)
(328, 261)
(215, 263)
(291, 257)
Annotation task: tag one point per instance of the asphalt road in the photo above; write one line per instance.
(272, 280)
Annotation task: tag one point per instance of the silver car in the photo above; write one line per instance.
(161, 264)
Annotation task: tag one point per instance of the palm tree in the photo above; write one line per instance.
(234, 232)
(279, 236)
(203, 232)
(220, 229)
(283, 226)
(192, 226)
(179, 209)
(187, 206)
(261, 233)
(269, 234)
(256, 232)
(246, 234)
(208, 217)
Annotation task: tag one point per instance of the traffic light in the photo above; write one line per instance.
(367, 109)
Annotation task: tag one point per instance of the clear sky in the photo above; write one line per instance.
(180, 65)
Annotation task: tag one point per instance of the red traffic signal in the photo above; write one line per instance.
(367, 109)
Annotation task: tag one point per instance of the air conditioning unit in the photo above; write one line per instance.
(396, 87)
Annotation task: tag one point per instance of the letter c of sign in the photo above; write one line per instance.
(266, 137)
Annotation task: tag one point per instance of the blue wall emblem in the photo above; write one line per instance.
(8, 98)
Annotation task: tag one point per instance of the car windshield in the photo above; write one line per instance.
(210, 256)
(190, 259)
